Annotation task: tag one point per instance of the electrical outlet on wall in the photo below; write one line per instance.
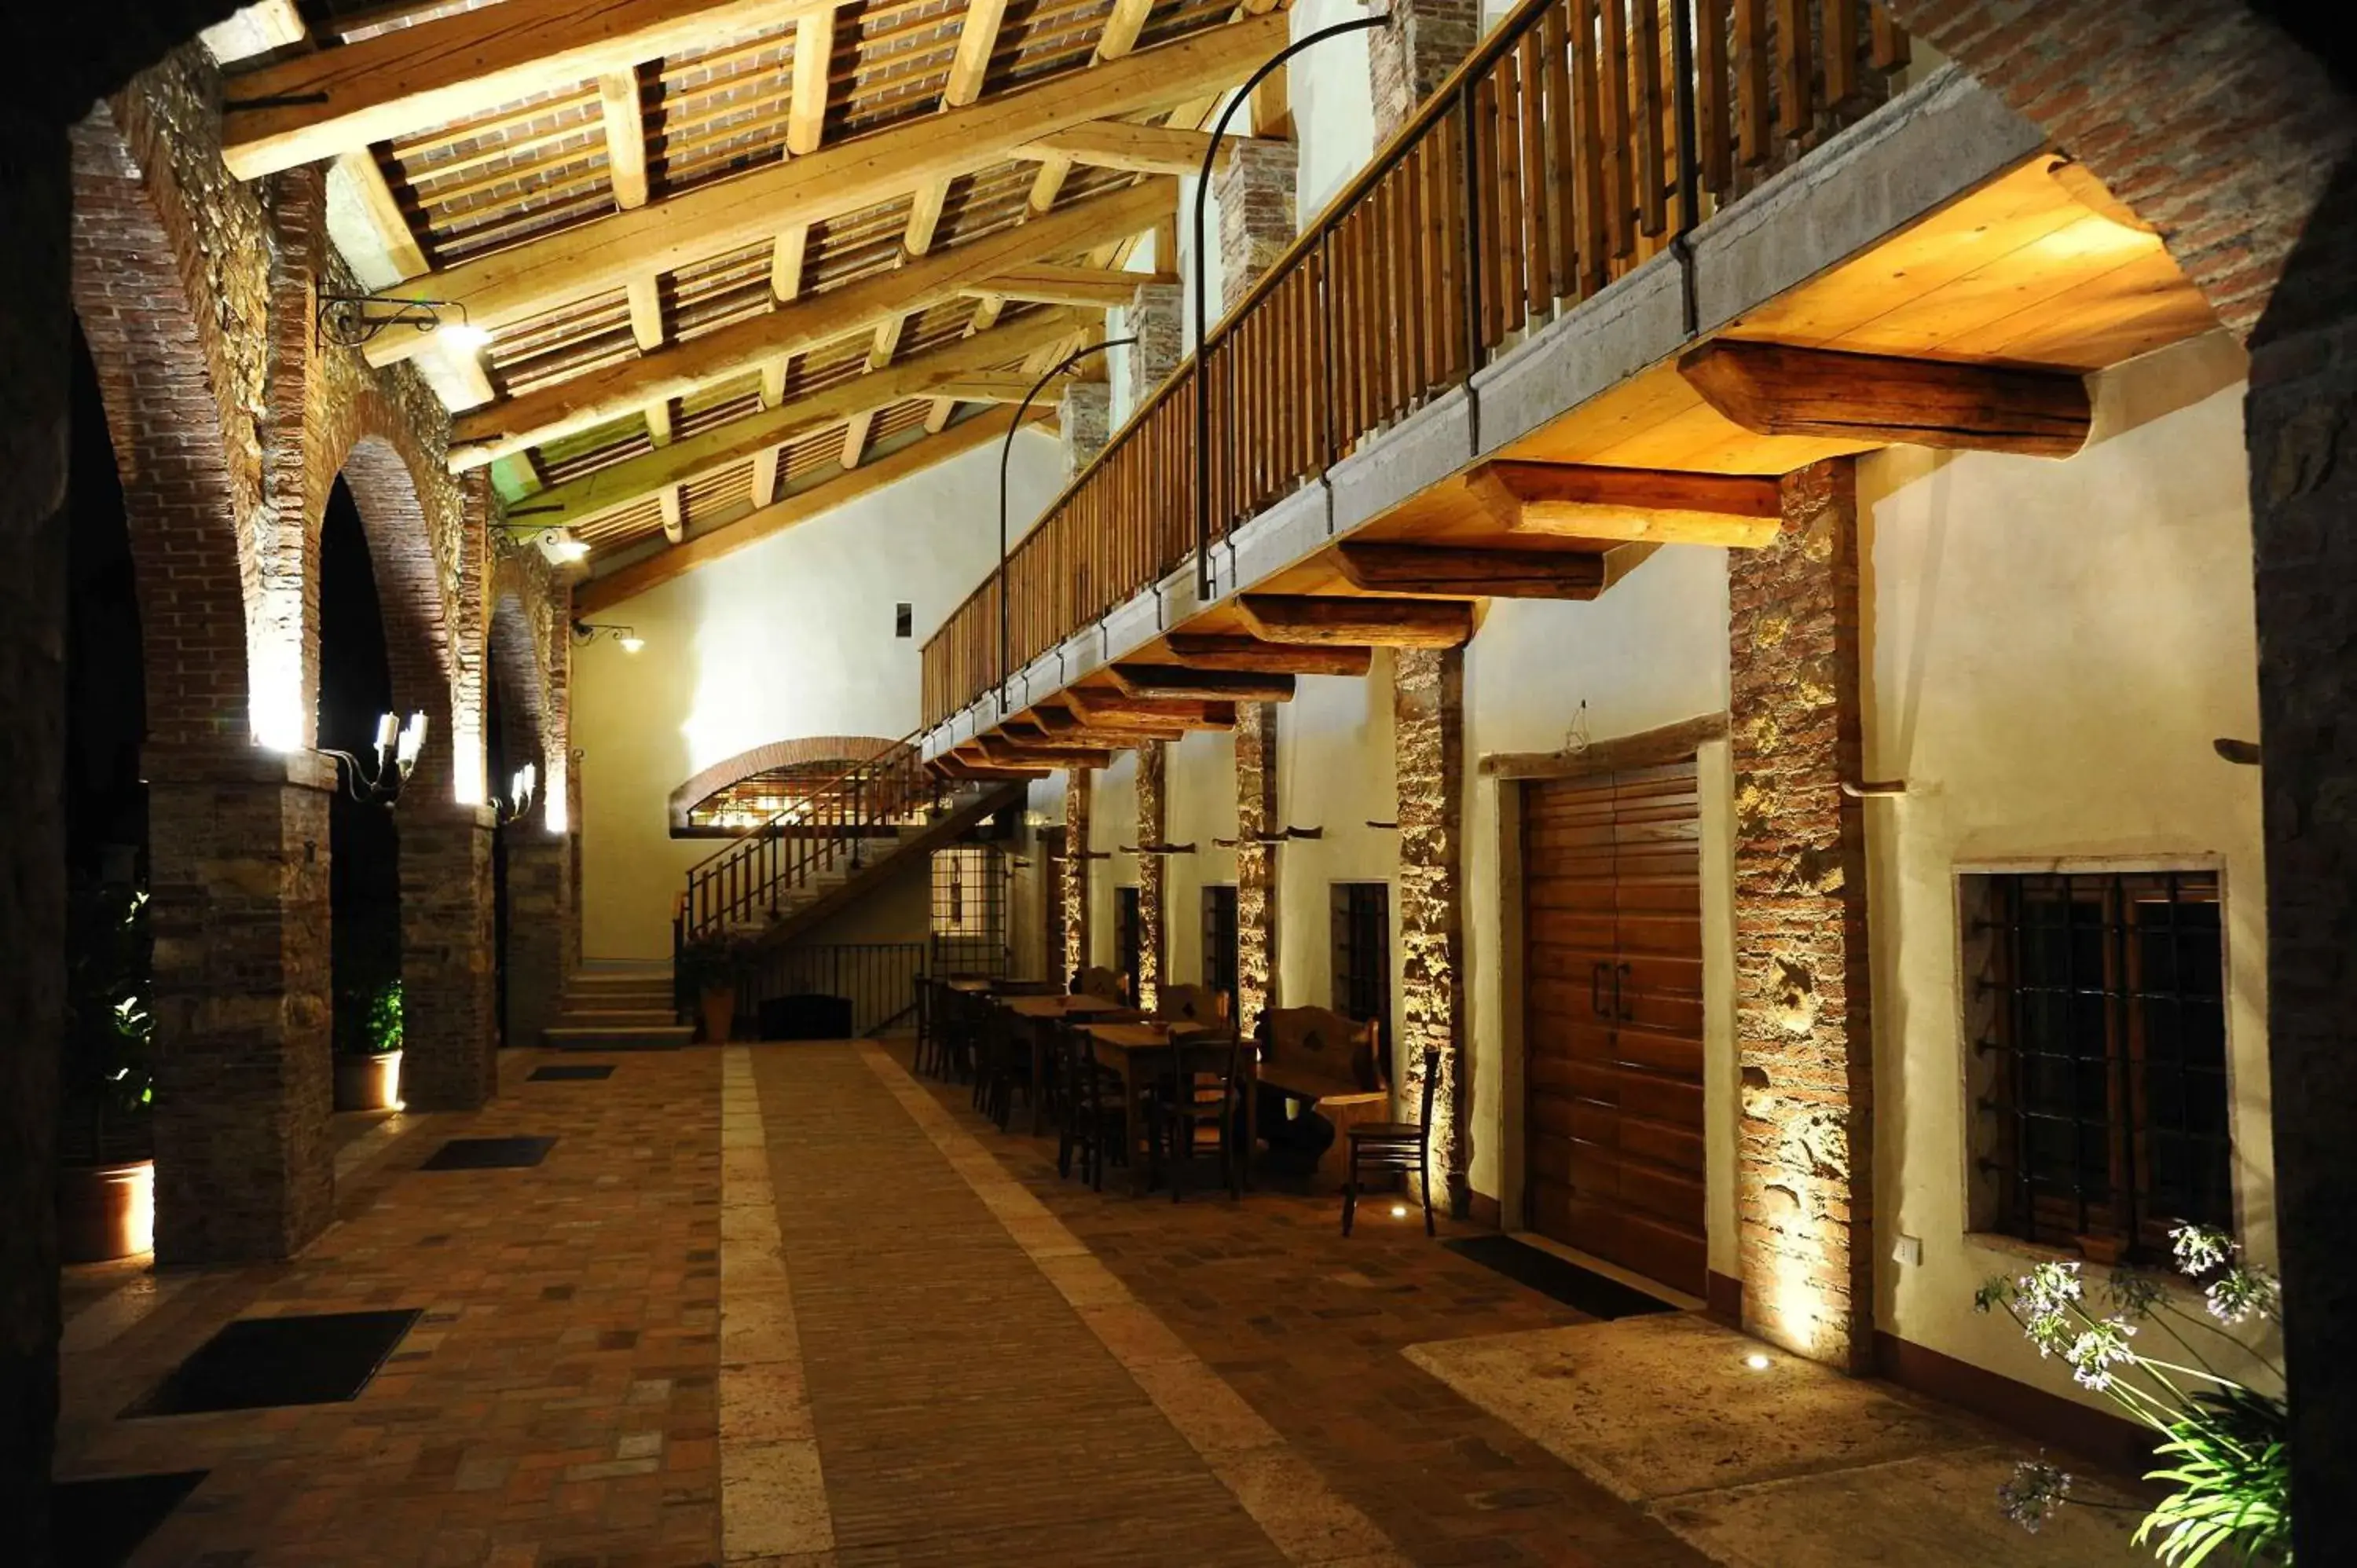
(1908, 1249)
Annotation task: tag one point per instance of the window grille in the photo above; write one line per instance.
(1219, 943)
(1363, 954)
(969, 912)
(2097, 1010)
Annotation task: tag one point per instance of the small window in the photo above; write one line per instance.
(1219, 944)
(2096, 1007)
(904, 621)
(969, 910)
(1363, 954)
(1129, 934)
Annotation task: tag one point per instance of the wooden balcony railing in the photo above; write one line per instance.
(1581, 138)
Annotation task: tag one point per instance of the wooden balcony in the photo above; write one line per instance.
(1584, 138)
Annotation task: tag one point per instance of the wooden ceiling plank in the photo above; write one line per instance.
(1659, 506)
(1177, 681)
(716, 544)
(589, 399)
(626, 136)
(540, 274)
(1457, 570)
(1211, 651)
(576, 501)
(409, 80)
(1776, 389)
(1346, 618)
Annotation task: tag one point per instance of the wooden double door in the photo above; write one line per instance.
(1612, 1031)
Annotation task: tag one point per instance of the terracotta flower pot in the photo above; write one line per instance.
(719, 1007)
(106, 1211)
(368, 1082)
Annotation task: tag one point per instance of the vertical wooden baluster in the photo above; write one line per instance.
(1752, 91)
(1710, 97)
(1562, 181)
(1485, 209)
(1506, 196)
(1840, 52)
(1890, 51)
(1590, 161)
(1794, 110)
(1652, 164)
(1612, 68)
(1538, 264)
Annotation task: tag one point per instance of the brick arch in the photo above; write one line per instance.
(517, 662)
(761, 759)
(197, 570)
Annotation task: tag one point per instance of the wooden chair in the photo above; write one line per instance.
(1191, 1004)
(1205, 1085)
(1333, 1064)
(1093, 1118)
(1396, 1146)
(1002, 1062)
(1100, 982)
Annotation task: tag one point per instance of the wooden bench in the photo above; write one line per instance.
(1317, 1055)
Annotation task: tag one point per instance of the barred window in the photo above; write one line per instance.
(1363, 954)
(1219, 943)
(2097, 1010)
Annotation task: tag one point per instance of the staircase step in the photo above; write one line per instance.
(617, 1017)
(600, 1037)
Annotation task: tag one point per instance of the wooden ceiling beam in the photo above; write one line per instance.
(714, 543)
(1122, 24)
(957, 767)
(813, 52)
(1347, 619)
(1004, 751)
(1210, 650)
(680, 369)
(1139, 149)
(626, 136)
(1118, 710)
(588, 259)
(1456, 570)
(409, 80)
(1205, 685)
(1044, 284)
(1063, 725)
(1779, 388)
(1646, 505)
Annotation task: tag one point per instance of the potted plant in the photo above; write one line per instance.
(708, 972)
(106, 1175)
(368, 1062)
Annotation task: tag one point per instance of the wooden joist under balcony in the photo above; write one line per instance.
(1177, 681)
(1213, 650)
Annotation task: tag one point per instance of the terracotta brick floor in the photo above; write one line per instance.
(987, 1365)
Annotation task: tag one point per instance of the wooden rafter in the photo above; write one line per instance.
(626, 135)
(1177, 681)
(1209, 651)
(409, 80)
(1346, 618)
(1458, 571)
(1140, 149)
(539, 274)
(714, 544)
(1044, 284)
(1113, 709)
(1652, 506)
(590, 400)
(1779, 388)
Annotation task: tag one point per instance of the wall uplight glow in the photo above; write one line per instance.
(466, 780)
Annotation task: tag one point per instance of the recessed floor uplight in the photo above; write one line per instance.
(1399, 1210)
(1758, 1362)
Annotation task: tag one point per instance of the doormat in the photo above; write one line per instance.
(100, 1522)
(256, 1363)
(1584, 1289)
(489, 1154)
(562, 1073)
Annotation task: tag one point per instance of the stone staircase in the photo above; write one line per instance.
(618, 1007)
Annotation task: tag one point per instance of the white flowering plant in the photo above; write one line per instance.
(2224, 1445)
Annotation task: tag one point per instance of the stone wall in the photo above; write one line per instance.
(1428, 742)
(1408, 58)
(1153, 768)
(540, 894)
(1154, 318)
(1802, 1029)
(1256, 952)
(1077, 789)
(1255, 189)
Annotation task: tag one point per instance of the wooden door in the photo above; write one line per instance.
(1613, 1018)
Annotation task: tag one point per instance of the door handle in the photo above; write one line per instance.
(1619, 1011)
(1596, 989)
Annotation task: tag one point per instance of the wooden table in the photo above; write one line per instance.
(1139, 1052)
(972, 985)
(1037, 1010)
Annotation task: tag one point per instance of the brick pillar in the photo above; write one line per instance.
(1428, 744)
(238, 871)
(1255, 190)
(35, 316)
(1804, 1161)
(1256, 956)
(1085, 423)
(1408, 60)
(1153, 768)
(448, 1061)
(1155, 319)
(537, 872)
(573, 885)
(1077, 782)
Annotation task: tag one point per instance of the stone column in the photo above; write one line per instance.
(1408, 60)
(449, 993)
(538, 867)
(1155, 319)
(1075, 890)
(1153, 768)
(1804, 1161)
(572, 886)
(1255, 191)
(238, 875)
(1428, 743)
(1085, 423)
(1256, 956)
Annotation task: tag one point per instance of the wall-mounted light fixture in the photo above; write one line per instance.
(1270, 841)
(559, 544)
(398, 747)
(517, 802)
(348, 320)
(587, 631)
(1157, 849)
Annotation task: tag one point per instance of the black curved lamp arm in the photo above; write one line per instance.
(1203, 288)
(1005, 454)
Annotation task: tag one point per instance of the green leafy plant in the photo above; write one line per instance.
(2224, 1445)
(384, 1029)
(109, 1079)
(706, 966)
